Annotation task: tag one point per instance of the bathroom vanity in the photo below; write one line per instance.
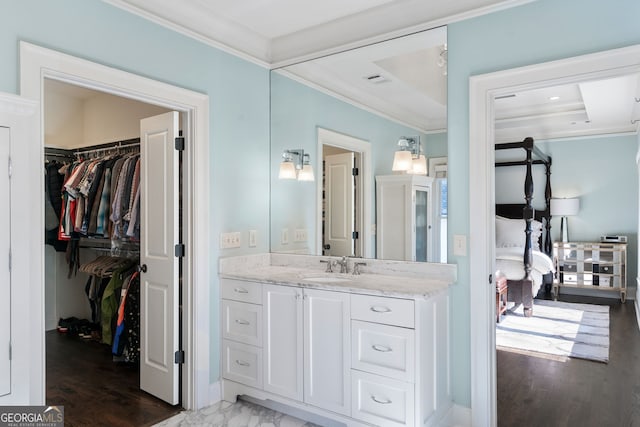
(367, 349)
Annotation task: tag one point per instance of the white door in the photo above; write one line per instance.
(159, 374)
(283, 340)
(5, 273)
(339, 202)
(327, 346)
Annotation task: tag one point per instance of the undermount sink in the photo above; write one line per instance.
(326, 279)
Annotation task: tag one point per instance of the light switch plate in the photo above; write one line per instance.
(230, 240)
(253, 238)
(285, 236)
(459, 245)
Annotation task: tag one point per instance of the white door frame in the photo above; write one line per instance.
(482, 91)
(36, 64)
(346, 142)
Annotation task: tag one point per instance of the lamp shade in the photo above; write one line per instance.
(306, 173)
(287, 170)
(419, 165)
(402, 161)
(565, 207)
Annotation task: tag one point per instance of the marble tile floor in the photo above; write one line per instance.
(239, 414)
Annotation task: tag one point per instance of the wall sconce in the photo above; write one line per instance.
(296, 165)
(564, 208)
(409, 157)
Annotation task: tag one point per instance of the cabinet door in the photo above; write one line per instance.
(282, 308)
(422, 224)
(327, 338)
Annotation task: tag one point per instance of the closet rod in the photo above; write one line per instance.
(109, 146)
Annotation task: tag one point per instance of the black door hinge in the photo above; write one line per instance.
(180, 143)
(354, 235)
(179, 357)
(179, 250)
(354, 171)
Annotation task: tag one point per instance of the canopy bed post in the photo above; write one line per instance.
(521, 289)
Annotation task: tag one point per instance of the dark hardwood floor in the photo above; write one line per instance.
(534, 391)
(94, 390)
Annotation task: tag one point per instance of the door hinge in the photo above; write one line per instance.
(354, 171)
(9, 167)
(10, 261)
(179, 250)
(10, 351)
(180, 143)
(354, 235)
(179, 357)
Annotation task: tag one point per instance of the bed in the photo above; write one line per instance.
(523, 234)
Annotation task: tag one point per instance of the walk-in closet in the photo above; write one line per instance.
(95, 172)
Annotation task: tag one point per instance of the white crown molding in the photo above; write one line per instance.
(348, 33)
(356, 104)
(230, 39)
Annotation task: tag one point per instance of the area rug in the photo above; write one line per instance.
(557, 328)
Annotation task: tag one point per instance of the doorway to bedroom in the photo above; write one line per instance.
(587, 132)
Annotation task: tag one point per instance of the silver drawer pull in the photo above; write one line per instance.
(242, 363)
(382, 402)
(242, 322)
(241, 290)
(381, 348)
(380, 309)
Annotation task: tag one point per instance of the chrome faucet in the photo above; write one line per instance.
(356, 267)
(330, 264)
(344, 265)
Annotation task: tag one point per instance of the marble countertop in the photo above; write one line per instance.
(375, 284)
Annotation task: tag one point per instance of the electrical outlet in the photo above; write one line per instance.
(300, 235)
(285, 236)
(253, 238)
(230, 240)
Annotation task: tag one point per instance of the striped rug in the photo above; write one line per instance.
(557, 328)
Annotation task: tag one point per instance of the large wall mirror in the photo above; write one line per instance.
(336, 125)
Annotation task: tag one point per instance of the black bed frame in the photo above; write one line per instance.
(521, 291)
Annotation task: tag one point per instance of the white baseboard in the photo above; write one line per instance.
(215, 393)
(458, 416)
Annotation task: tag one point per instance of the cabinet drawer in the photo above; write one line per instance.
(239, 290)
(390, 311)
(384, 350)
(381, 401)
(242, 363)
(242, 322)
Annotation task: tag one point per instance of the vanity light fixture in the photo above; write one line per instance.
(296, 165)
(409, 157)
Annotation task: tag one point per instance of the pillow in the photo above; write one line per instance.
(510, 233)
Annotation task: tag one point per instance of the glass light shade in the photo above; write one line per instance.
(306, 174)
(565, 207)
(419, 165)
(402, 161)
(287, 170)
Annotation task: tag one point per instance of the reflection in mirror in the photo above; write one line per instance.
(348, 112)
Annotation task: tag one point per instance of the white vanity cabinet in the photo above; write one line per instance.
(356, 358)
(327, 344)
(306, 343)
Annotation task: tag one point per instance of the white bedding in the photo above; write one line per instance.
(509, 261)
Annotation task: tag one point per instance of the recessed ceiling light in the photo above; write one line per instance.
(554, 98)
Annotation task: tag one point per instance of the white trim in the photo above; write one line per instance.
(636, 303)
(356, 104)
(36, 64)
(482, 91)
(20, 116)
(336, 139)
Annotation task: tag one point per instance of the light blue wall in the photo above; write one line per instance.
(238, 93)
(297, 111)
(540, 31)
(602, 173)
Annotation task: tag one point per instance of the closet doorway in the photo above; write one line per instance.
(111, 279)
(37, 64)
